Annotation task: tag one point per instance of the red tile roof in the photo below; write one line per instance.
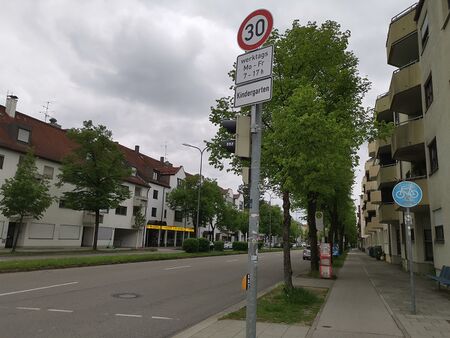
(51, 143)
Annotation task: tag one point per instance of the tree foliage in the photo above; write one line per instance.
(313, 125)
(96, 168)
(24, 195)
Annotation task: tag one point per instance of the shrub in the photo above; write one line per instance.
(260, 245)
(218, 246)
(240, 246)
(191, 245)
(203, 245)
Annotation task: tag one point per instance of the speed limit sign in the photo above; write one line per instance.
(255, 29)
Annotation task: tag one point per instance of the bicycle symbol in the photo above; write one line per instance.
(407, 193)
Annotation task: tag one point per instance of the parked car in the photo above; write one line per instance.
(307, 253)
(228, 245)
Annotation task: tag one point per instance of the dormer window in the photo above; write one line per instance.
(155, 175)
(23, 135)
(133, 171)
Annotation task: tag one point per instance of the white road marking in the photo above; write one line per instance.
(232, 260)
(59, 310)
(164, 318)
(36, 289)
(28, 308)
(178, 267)
(125, 315)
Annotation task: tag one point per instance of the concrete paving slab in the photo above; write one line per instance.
(354, 307)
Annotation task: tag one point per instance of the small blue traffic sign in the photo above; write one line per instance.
(407, 194)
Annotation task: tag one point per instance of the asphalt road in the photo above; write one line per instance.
(151, 299)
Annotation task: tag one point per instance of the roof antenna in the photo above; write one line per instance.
(165, 151)
(46, 107)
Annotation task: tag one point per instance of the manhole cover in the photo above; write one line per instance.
(127, 295)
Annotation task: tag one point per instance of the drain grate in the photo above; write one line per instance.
(327, 326)
(127, 295)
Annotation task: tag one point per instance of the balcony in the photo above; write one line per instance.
(89, 218)
(373, 171)
(375, 197)
(372, 150)
(382, 146)
(387, 213)
(371, 185)
(374, 224)
(382, 108)
(387, 175)
(405, 93)
(408, 141)
(402, 44)
(139, 201)
(371, 206)
(368, 165)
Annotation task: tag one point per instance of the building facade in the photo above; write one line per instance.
(418, 106)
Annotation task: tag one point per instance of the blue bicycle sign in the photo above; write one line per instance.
(407, 194)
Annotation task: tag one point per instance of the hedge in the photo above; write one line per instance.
(191, 245)
(203, 245)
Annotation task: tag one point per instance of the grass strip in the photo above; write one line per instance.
(338, 262)
(70, 262)
(296, 306)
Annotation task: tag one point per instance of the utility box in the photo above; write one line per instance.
(326, 270)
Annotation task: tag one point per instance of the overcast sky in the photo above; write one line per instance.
(150, 70)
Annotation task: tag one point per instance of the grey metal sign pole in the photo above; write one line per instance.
(408, 224)
(253, 226)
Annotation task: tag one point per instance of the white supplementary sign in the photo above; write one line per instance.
(255, 92)
(254, 65)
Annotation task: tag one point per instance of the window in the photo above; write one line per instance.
(179, 182)
(178, 216)
(121, 210)
(438, 226)
(154, 212)
(165, 213)
(439, 234)
(23, 135)
(428, 244)
(155, 175)
(425, 32)
(428, 88)
(133, 171)
(155, 194)
(432, 150)
(2, 159)
(137, 191)
(413, 237)
(48, 172)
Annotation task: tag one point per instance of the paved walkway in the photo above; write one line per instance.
(370, 299)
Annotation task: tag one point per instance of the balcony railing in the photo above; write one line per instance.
(402, 45)
(408, 141)
(405, 93)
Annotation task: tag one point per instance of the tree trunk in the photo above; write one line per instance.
(341, 238)
(311, 216)
(16, 234)
(286, 244)
(333, 227)
(97, 222)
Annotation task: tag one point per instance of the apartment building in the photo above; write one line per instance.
(63, 227)
(418, 105)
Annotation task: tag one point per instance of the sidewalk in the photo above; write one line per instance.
(370, 299)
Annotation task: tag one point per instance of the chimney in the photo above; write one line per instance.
(53, 123)
(136, 149)
(161, 159)
(10, 106)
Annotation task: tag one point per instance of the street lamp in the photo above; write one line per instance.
(200, 183)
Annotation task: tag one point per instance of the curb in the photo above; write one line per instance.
(211, 320)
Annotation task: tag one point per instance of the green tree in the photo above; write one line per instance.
(313, 124)
(139, 218)
(184, 197)
(270, 219)
(96, 168)
(25, 195)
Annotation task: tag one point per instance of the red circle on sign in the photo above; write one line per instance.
(268, 17)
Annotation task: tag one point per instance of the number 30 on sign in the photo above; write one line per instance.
(255, 29)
